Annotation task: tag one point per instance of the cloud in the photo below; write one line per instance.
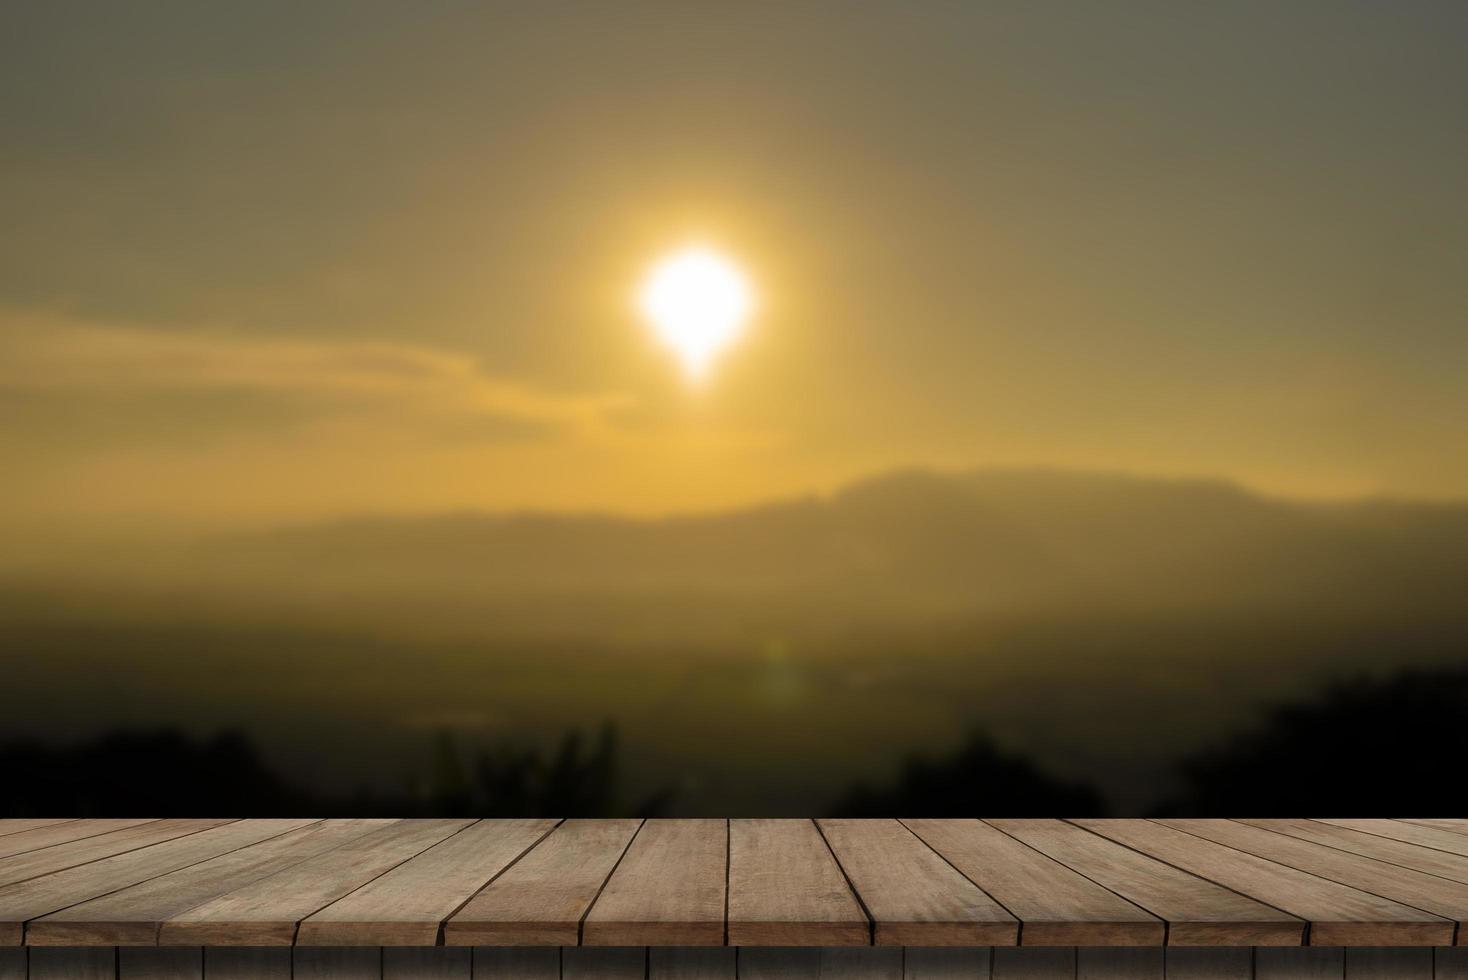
(145, 371)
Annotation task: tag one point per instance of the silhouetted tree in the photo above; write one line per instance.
(167, 774)
(977, 780)
(512, 780)
(1366, 747)
(159, 773)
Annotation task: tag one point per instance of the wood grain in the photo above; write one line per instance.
(1120, 963)
(427, 963)
(407, 905)
(1312, 963)
(75, 963)
(336, 963)
(1450, 964)
(153, 963)
(1339, 914)
(830, 962)
(785, 888)
(1389, 964)
(1198, 912)
(668, 890)
(517, 963)
(1210, 963)
(542, 898)
(1413, 888)
(16, 825)
(59, 857)
(133, 915)
(691, 963)
(1397, 852)
(779, 963)
(702, 885)
(913, 896)
(192, 841)
(939, 963)
(265, 912)
(862, 962)
(1055, 905)
(1034, 963)
(61, 832)
(604, 963)
(1457, 826)
(1412, 833)
(247, 963)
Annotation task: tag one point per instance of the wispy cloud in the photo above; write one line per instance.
(48, 353)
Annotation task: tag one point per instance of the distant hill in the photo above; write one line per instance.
(1097, 627)
(912, 546)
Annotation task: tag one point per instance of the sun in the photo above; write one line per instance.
(698, 302)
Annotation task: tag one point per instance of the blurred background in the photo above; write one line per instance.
(1094, 443)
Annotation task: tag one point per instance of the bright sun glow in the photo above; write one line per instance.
(698, 302)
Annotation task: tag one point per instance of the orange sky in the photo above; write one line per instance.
(384, 260)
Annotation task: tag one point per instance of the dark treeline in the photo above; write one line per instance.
(163, 773)
(1366, 747)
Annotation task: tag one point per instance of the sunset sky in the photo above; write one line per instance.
(269, 261)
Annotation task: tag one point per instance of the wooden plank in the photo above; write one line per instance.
(50, 835)
(779, 963)
(427, 963)
(1339, 914)
(59, 857)
(1457, 826)
(862, 962)
(247, 963)
(204, 839)
(945, 963)
(541, 899)
(1210, 963)
(16, 825)
(1120, 963)
(1307, 963)
(517, 963)
(785, 888)
(407, 906)
(1450, 964)
(1412, 833)
(1198, 912)
(132, 916)
(336, 963)
(153, 963)
(691, 963)
(812, 963)
(913, 896)
(74, 963)
(1034, 963)
(265, 912)
(1055, 905)
(604, 963)
(1396, 852)
(668, 889)
(1386, 963)
(1412, 888)
(12, 963)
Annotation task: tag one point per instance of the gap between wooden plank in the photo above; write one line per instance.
(506, 868)
(62, 937)
(1379, 922)
(871, 919)
(581, 922)
(1191, 913)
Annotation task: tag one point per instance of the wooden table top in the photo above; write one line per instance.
(464, 882)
